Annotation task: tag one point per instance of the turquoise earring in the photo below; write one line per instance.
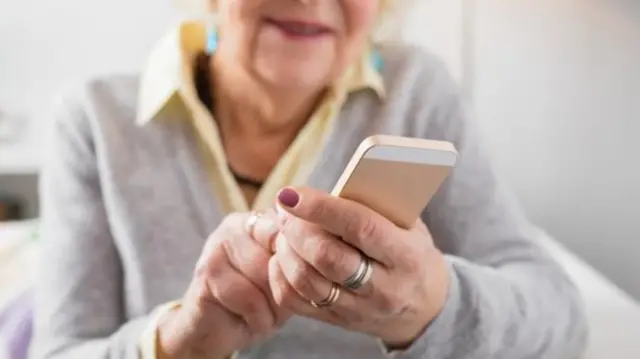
(212, 41)
(376, 60)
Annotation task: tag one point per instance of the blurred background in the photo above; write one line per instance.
(555, 85)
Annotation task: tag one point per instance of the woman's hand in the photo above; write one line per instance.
(324, 239)
(229, 303)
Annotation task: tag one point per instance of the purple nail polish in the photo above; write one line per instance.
(289, 197)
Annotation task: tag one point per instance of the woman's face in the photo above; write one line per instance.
(295, 43)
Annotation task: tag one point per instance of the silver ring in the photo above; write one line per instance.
(334, 293)
(250, 225)
(361, 275)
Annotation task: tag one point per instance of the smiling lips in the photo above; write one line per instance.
(299, 29)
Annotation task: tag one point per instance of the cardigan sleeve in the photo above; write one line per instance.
(78, 289)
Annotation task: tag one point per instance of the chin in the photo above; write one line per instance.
(296, 75)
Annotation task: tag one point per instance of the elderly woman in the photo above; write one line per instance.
(151, 249)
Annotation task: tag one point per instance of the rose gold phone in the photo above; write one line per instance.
(396, 176)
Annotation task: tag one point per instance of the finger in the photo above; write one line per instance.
(284, 294)
(348, 312)
(322, 250)
(229, 252)
(265, 230)
(238, 294)
(354, 223)
(250, 258)
(243, 253)
(301, 276)
(331, 257)
(310, 284)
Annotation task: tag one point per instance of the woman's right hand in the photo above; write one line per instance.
(228, 304)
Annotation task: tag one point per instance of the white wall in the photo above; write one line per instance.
(557, 88)
(438, 25)
(46, 44)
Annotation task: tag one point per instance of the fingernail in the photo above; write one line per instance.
(289, 197)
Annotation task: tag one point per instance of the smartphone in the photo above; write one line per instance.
(396, 176)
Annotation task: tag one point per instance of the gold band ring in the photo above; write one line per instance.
(334, 293)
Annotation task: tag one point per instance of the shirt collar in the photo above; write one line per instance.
(169, 71)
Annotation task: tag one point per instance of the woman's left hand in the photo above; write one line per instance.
(323, 241)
